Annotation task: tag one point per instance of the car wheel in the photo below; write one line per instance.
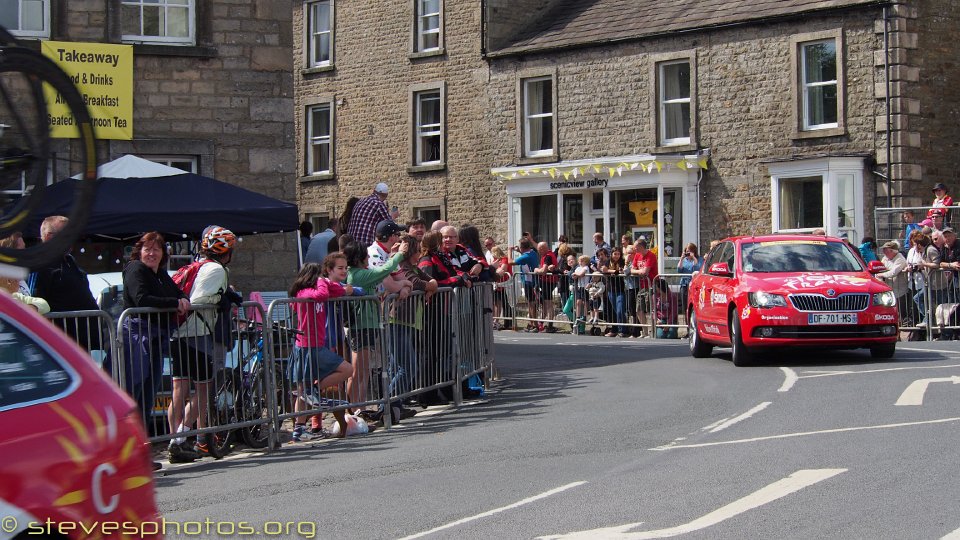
(741, 356)
(698, 349)
(883, 351)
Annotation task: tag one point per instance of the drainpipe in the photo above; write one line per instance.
(886, 77)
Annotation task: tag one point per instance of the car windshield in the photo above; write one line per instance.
(798, 256)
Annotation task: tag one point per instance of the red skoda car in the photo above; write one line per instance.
(760, 293)
(72, 445)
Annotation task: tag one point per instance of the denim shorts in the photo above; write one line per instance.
(309, 365)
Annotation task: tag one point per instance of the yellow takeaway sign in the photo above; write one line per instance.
(104, 75)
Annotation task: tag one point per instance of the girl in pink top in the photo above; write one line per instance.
(313, 366)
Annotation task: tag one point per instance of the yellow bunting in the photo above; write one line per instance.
(596, 168)
(553, 173)
(611, 171)
(566, 175)
(682, 165)
(702, 163)
(658, 165)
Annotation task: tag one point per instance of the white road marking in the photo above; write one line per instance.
(715, 424)
(851, 372)
(495, 511)
(913, 395)
(955, 535)
(790, 379)
(742, 417)
(781, 488)
(672, 446)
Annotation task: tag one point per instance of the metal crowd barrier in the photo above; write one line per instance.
(927, 303)
(599, 304)
(93, 330)
(889, 224)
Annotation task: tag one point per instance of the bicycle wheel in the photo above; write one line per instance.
(225, 408)
(257, 406)
(25, 153)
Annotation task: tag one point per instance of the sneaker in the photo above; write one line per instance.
(531, 330)
(208, 447)
(306, 436)
(540, 327)
(313, 401)
(624, 335)
(177, 453)
(551, 330)
(298, 432)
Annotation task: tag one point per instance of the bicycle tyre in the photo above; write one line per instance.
(257, 405)
(39, 69)
(225, 408)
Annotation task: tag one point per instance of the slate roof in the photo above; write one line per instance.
(579, 22)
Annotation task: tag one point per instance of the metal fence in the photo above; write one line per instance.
(893, 223)
(598, 304)
(241, 382)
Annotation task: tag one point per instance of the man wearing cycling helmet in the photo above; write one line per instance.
(193, 347)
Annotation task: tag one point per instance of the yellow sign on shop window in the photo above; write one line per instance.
(104, 75)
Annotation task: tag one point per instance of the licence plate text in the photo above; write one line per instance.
(832, 318)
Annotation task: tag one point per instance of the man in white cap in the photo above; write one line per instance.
(369, 211)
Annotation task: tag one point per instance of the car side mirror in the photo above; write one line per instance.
(875, 267)
(720, 269)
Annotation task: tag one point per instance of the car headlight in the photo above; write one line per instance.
(761, 299)
(885, 298)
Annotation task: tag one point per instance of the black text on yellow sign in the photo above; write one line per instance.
(104, 75)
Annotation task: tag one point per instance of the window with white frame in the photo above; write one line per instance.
(319, 139)
(428, 144)
(818, 67)
(674, 92)
(184, 163)
(822, 193)
(26, 18)
(537, 102)
(167, 22)
(319, 33)
(428, 25)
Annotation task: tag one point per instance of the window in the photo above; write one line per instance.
(429, 214)
(184, 163)
(538, 128)
(168, 22)
(428, 35)
(674, 110)
(31, 374)
(319, 34)
(319, 139)
(801, 203)
(820, 96)
(26, 18)
(429, 128)
(818, 193)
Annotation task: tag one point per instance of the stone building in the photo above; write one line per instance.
(681, 122)
(213, 94)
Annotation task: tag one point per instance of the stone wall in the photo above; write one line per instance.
(229, 100)
(743, 112)
(371, 88)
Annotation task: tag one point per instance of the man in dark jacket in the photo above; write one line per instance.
(63, 284)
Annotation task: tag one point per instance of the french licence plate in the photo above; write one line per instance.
(832, 318)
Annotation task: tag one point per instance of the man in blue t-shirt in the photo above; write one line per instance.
(527, 261)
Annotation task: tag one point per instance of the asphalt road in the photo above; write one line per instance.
(590, 437)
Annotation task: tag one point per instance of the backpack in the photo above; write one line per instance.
(184, 278)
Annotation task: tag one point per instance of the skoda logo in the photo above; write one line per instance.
(831, 292)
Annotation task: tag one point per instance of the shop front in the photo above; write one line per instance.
(654, 197)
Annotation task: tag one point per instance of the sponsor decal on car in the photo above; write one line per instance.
(703, 297)
(774, 317)
(717, 298)
(815, 280)
(745, 313)
(711, 329)
(883, 317)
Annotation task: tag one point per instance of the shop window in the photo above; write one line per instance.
(428, 136)
(167, 22)
(319, 33)
(674, 111)
(319, 139)
(539, 217)
(429, 22)
(538, 125)
(26, 18)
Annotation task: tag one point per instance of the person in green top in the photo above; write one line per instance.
(365, 328)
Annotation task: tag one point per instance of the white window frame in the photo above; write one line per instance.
(422, 16)
(664, 103)
(313, 140)
(171, 160)
(313, 35)
(165, 6)
(44, 32)
(807, 86)
(835, 172)
(422, 131)
(529, 118)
